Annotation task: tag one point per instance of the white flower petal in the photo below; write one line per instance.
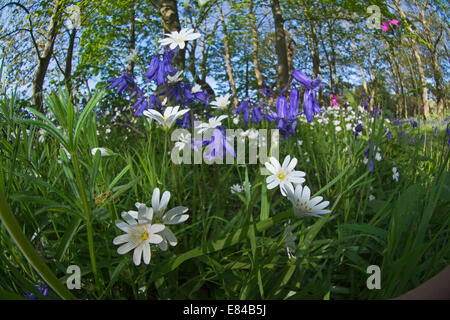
(127, 247)
(147, 253)
(137, 255)
(155, 200)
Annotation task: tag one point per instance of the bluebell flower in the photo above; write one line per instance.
(175, 91)
(310, 104)
(30, 296)
(282, 107)
(388, 134)
(359, 128)
(123, 83)
(184, 122)
(242, 106)
(188, 97)
(266, 91)
(246, 116)
(256, 115)
(219, 145)
(202, 96)
(150, 75)
(44, 289)
(367, 154)
(366, 101)
(159, 70)
(413, 123)
(294, 99)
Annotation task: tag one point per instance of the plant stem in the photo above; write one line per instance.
(88, 221)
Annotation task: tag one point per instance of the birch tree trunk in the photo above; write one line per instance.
(228, 58)
(355, 52)
(414, 48)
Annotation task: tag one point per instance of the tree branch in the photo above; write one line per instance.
(30, 22)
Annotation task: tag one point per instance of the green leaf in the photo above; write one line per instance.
(84, 115)
(118, 177)
(29, 252)
(69, 233)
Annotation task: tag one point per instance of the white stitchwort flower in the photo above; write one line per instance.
(104, 152)
(303, 205)
(178, 39)
(197, 88)
(221, 102)
(371, 197)
(183, 140)
(396, 174)
(140, 233)
(236, 188)
(167, 120)
(283, 174)
(175, 78)
(212, 123)
(378, 156)
(244, 185)
(158, 214)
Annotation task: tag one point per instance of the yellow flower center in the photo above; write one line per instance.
(165, 117)
(281, 176)
(141, 235)
(303, 205)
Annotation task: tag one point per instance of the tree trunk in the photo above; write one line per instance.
(415, 50)
(335, 82)
(355, 52)
(44, 58)
(290, 49)
(423, 81)
(396, 75)
(441, 102)
(280, 46)
(258, 74)
(132, 35)
(228, 58)
(68, 68)
(170, 22)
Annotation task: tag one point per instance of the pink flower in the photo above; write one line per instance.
(384, 26)
(334, 100)
(395, 22)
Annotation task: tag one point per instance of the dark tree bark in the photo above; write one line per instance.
(280, 46)
(258, 73)
(69, 56)
(44, 58)
(132, 35)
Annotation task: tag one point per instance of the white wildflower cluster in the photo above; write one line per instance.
(237, 188)
(149, 225)
(290, 182)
